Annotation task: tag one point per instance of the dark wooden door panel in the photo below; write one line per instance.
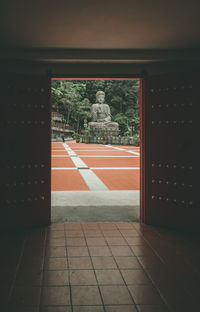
(25, 150)
(170, 100)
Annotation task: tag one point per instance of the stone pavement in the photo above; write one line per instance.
(93, 182)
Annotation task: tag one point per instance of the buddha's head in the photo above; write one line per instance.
(100, 97)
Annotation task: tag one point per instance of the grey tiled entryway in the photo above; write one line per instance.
(99, 267)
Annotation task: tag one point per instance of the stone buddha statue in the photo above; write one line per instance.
(101, 117)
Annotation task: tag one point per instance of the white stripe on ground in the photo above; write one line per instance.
(71, 153)
(79, 163)
(123, 149)
(90, 178)
(93, 182)
(110, 168)
(132, 152)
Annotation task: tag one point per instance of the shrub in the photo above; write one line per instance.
(136, 139)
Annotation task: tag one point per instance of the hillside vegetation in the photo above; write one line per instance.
(75, 97)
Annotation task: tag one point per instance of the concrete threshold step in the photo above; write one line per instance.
(95, 213)
(95, 198)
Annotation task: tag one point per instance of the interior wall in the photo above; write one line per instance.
(102, 69)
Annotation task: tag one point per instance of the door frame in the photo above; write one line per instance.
(143, 118)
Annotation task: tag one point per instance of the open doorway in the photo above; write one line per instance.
(95, 174)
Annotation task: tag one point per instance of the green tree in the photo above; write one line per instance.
(80, 113)
(75, 98)
(68, 95)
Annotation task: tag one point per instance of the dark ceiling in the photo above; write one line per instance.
(100, 24)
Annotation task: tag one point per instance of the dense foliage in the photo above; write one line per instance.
(75, 98)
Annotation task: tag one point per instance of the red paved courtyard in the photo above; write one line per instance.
(116, 166)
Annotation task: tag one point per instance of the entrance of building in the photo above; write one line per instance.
(95, 176)
(167, 136)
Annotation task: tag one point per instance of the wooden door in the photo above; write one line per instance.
(25, 150)
(168, 197)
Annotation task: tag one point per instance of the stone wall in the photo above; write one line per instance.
(109, 140)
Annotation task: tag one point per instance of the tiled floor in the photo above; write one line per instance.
(99, 267)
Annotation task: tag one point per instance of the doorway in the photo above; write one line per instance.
(95, 176)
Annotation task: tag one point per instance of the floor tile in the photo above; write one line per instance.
(109, 277)
(32, 259)
(150, 261)
(34, 249)
(82, 277)
(72, 226)
(135, 276)
(116, 241)
(55, 264)
(56, 309)
(55, 296)
(121, 308)
(77, 251)
(104, 263)
(112, 233)
(55, 234)
(25, 296)
(29, 277)
(96, 241)
(75, 241)
(121, 251)
(128, 263)
(93, 233)
(31, 264)
(159, 275)
(142, 250)
(151, 308)
(90, 226)
(56, 252)
(57, 226)
(56, 242)
(74, 233)
(80, 263)
(99, 251)
(55, 278)
(15, 308)
(36, 235)
(135, 241)
(115, 295)
(88, 309)
(85, 295)
(129, 232)
(125, 225)
(108, 226)
(143, 294)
